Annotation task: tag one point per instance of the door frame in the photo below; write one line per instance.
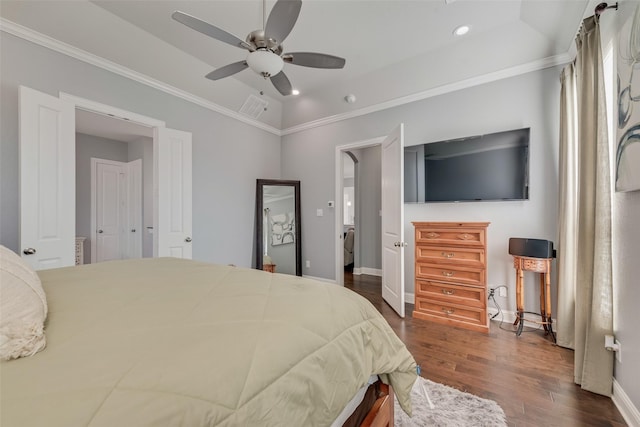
(163, 139)
(339, 184)
(94, 200)
(120, 114)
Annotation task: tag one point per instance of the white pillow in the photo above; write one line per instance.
(23, 308)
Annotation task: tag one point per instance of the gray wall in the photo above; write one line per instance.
(88, 146)
(529, 100)
(228, 155)
(368, 247)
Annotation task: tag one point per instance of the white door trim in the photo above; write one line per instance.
(156, 125)
(339, 217)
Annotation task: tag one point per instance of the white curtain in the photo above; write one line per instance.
(585, 301)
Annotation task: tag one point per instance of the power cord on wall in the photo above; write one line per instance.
(492, 296)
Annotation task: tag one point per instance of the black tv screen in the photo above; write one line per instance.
(476, 168)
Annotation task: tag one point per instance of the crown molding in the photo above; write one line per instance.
(30, 35)
(66, 49)
(548, 62)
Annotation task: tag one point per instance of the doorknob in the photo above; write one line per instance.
(100, 231)
(188, 239)
(29, 251)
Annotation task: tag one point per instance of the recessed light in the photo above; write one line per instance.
(295, 92)
(461, 30)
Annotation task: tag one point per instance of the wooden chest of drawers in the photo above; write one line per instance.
(450, 270)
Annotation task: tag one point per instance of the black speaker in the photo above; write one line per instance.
(534, 248)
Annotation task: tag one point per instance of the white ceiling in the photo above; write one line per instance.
(393, 48)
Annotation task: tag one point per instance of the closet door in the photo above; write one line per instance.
(172, 182)
(47, 180)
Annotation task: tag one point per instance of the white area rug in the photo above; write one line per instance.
(451, 407)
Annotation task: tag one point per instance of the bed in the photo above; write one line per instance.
(159, 342)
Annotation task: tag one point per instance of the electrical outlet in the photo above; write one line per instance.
(502, 292)
(308, 264)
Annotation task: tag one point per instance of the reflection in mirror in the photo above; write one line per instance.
(278, 226)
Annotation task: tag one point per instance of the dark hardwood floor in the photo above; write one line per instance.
(528, 376)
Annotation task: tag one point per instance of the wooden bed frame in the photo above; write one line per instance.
(376, 409)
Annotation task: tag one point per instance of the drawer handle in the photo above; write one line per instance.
(448, 273)
(448, 291)
(448, 254)
(448, 310)
(432, 235)
(465, 236)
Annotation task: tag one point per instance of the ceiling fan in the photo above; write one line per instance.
(265, 55)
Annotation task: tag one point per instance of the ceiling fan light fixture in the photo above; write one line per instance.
(295, 92)
(461, 30)
(265, 62)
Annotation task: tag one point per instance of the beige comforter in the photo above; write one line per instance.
(169, 342)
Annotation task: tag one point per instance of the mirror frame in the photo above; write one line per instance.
(260, 183)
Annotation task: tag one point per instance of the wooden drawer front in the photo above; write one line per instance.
(451, 236)
(469, 276)
(460, 256)
(452, 294)
(451, 311)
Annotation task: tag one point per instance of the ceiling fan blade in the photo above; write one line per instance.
(282, 83)
(282, 18)
(227, 70)
(210, 30)
(314, 60)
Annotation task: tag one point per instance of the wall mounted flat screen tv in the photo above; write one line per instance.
(476, 168)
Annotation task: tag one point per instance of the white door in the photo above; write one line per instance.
(116, 210)
(172, 184)
(47, 180)
(393, 220)
(134, 211)
(110, 208)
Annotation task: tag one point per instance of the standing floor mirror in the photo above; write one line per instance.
(278, 247)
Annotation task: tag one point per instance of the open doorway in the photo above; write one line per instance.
(350, 210)
(355, 163)
(48, 184)
(390, 214)
(114, 188)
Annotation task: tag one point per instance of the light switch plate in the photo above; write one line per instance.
(319, 212)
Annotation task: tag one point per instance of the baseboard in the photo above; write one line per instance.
(409, 298)
(624, 404)
(510, 316)
(368, 271)
(322, 279)
(507, 316)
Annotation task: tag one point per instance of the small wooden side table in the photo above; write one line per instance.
(271, 268)
(537, 265)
